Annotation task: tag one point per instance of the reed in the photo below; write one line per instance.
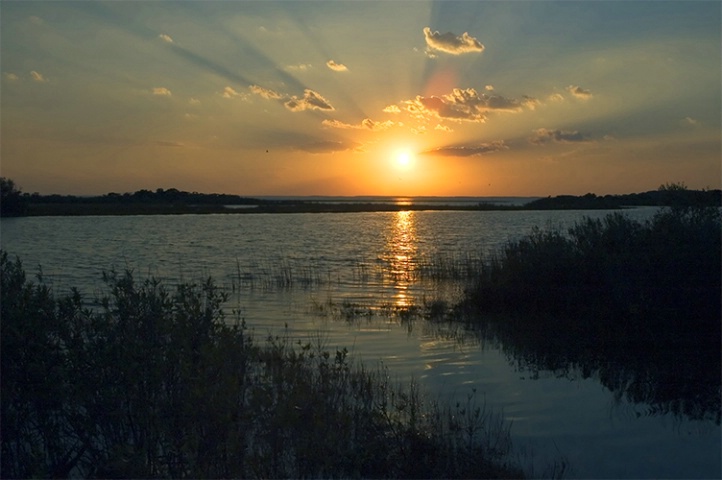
(156, 382)
(618, 299)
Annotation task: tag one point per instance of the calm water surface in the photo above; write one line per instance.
(298, 274)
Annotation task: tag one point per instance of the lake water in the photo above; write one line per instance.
(302, 274)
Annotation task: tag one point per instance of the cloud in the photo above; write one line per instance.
(450, 43)
(301, 67)
(469, 151)
(326, 147)
(36, 20)
(165, 38)
(556, 97)
(443, 128)
(38, 77)
(579, 92)
(266, 93)
(311, 101)
(162, 91)
(195, 101)
(229, 92)
(542, 136)
(336, 67)
(489, 88)
(366, 124)
(392, 109)
(461, 105)
(690, 121)
(530, 102)
(11, 77)
(162, 143)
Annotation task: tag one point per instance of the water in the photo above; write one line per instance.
(297, 273)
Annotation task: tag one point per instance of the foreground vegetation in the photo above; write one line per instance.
(636, 304)
(155, 382)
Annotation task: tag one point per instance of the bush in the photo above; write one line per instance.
(153, 382)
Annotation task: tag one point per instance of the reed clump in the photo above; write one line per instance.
(156, 382)
(623, 300)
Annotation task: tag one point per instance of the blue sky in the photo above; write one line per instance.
(360, 98)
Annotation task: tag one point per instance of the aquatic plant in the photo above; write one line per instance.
(157, 382)
(618, 299)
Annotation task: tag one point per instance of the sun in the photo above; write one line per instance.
(404, 158)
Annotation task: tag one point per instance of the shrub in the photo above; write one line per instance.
(155, 382)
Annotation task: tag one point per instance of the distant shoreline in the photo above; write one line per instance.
(174, 202)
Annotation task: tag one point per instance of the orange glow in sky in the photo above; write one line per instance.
(361, 98)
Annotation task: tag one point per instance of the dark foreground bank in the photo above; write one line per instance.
(155, 382)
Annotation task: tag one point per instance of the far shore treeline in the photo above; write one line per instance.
(14, 202)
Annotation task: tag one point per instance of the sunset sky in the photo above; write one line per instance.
(473, 98)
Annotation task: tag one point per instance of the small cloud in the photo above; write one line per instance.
(162, 91)
(530, 102)
(556, 97)
(542, 136)
(162, 143)
(443, 128)
(266, 93)
(450, 43)
(229, 92)
(195, 101)
(38, 77)
(690, 121)
(326, 147)
(392, 109)
(336, 67)
(469, 151)
(310, 101)
(11, 77)
(165, 38)
(301, 67)
(366, 124)
(579, 92)
(35, 20)
(489, 88)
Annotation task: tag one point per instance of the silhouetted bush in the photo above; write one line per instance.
(12, 201)
(638, 304)
(155, 382)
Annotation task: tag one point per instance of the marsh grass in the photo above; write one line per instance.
(636, 304)
(157, 382)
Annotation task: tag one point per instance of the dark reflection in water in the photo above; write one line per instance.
(674, 377)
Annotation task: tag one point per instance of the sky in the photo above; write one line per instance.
(471, 98)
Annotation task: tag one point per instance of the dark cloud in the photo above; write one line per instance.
(469, 150)
(542, 136)
(450, 43)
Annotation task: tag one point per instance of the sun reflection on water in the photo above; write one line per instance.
(401, 248)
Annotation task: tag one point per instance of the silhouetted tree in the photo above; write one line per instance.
(12, 202)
